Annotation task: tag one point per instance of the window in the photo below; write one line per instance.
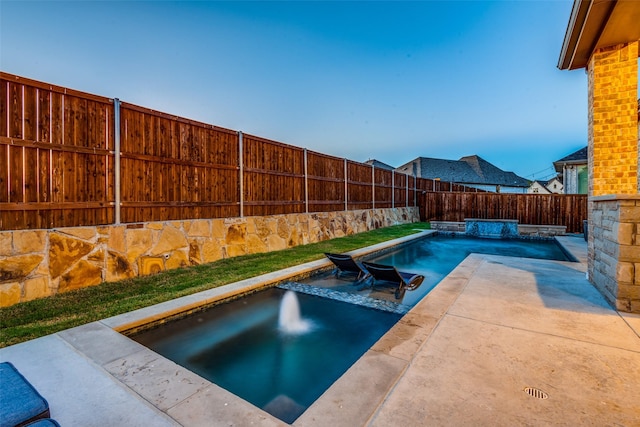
(583, 180)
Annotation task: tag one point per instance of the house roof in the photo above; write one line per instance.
(467, 170)
(540, 184)
(378, 164)
(594, 24)
(555, 178)
(576, 158)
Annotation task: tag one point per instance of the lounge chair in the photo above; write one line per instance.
(20, 402)
(388, 273)
(347, 265)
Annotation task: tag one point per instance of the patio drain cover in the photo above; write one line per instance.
(536, 392)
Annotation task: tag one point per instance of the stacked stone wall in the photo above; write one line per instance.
(40, 263)
(528, 230)
(615, 250)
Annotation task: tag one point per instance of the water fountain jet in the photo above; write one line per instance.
(289, 320)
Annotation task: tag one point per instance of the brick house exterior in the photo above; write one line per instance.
(603, 37)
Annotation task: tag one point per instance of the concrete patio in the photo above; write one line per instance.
(464, 355)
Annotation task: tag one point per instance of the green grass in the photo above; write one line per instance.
(33, 319)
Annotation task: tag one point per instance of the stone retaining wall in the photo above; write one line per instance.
(450, 226)
(39, 263)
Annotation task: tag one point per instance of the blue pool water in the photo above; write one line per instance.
(435, 257)
(239, 346)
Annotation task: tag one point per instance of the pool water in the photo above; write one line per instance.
(239, 347)
(435, 257)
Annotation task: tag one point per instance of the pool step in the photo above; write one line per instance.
(390, 306)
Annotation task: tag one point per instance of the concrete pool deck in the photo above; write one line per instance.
(462, 356)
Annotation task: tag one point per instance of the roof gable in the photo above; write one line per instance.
(576, 158)
(378, 164)
(581, 154)
(467, 170)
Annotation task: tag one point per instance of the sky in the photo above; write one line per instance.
(389, 81)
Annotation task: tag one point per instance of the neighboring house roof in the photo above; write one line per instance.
(377, 164)
(467, 170)
(538, 184)
(547, 186)
(579, 157)
(555, 178)
(555, 185)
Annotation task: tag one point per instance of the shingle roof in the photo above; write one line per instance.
(578, 157)
(379, 164)
(467, 170)
(581, 154)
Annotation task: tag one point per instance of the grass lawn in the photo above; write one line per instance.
(33, 319)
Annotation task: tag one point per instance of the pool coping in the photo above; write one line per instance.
(388, 357)
(171, 395)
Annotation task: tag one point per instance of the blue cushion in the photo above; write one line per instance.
(44, 422)
(20, 403)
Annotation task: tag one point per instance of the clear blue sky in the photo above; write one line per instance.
(384, 80)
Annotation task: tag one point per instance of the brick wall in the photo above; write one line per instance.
(613, 130)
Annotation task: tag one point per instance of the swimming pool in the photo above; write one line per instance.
(435, 257)
(238, 345)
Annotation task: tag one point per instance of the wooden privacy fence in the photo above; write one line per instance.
(537, 209)
(69, 158)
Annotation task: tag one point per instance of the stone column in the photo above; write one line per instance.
(614, 205)
(615, 268)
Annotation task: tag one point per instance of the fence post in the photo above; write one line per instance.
(373, 187)
(393, 189)
(306, 182)
(406, 196)
(346, 187)
(116, 158)
(241, 172)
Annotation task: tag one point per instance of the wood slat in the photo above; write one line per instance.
(536, 209)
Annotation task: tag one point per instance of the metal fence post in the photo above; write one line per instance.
(393, 189)
(346, 187)
(306, 182)
(241, 172)
(373, 185)
(116, 158)
(406, 178)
